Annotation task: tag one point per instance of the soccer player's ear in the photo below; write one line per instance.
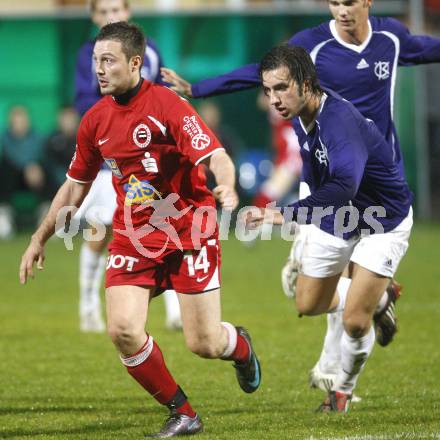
(136, 63)
(306, 87)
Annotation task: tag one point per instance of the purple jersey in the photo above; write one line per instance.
(346, 163)
(86, 84)
(365, 75)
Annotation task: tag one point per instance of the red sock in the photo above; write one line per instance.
(154, 376)
(242, 351)
(186, 409)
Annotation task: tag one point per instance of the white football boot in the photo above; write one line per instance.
(325, 380)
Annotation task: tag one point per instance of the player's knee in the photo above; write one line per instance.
(356, 327)
(204, 347)
(121, 333)
(304, 306)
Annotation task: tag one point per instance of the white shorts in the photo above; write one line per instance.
(321, 255)
(100, 203)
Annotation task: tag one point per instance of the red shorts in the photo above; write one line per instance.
(190, 271)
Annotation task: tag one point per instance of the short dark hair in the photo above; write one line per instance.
(128, 34)
(297, 60)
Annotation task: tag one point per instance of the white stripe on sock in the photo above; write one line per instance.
(137, 359)
(232, 340)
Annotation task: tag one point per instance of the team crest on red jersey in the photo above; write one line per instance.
(142, 136)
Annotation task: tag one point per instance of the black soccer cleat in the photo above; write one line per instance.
(179, 424)
(248, 373)
(335, 402)
(385, 322)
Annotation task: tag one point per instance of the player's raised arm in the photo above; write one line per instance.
(243, 78)
(70, 194)
(414, 49)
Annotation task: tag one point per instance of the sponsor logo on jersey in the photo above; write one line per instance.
(382, 69)
(199, 139)
(142, 136)
(150, 164)
(140, 192)
(362, 64)
(111, 163)
(103, 141)
(118, 261)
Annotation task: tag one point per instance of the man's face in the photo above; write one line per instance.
(109, 11)
(283, 92)
(350, 14)
(115, 74)
(19, 121)
(68, 121)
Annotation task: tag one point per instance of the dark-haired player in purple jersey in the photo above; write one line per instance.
(357, 56)
(358, 211)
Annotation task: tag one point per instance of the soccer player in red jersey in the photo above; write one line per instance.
(165, 233)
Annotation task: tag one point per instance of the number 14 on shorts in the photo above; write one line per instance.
(200, 262)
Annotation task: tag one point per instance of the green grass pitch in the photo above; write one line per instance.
(56, 383)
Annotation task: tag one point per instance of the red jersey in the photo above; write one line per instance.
(153, 146)
(285, 142)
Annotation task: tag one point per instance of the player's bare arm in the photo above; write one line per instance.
(70, 194)
(178, 84)
(223, 169)
(254, 217)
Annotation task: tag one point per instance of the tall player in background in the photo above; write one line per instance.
(357, 56)
(101, 200)
(165, 228)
